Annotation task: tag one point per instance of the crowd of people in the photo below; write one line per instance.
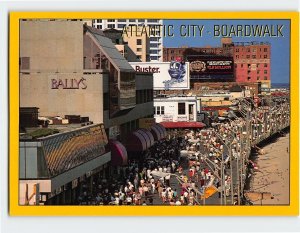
(189, 163)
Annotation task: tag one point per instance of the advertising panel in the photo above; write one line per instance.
(146, 123)
(211, 67)
(166, 75)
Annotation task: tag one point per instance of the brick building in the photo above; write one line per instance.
(171, 54)
(252, 60)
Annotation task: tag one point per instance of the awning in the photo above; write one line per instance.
(150, 136)
(140, 140)
(163, 130)
(158, 131)
(118, 153)
(182, 124)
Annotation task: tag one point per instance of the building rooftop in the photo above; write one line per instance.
(35, 133)
(110, 49)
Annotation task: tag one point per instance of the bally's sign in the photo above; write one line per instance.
(70, 83)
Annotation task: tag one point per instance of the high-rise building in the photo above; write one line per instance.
(156, 39)
(138, 42)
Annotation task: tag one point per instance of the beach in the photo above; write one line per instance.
(273, 173)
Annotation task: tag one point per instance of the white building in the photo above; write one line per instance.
(176, 109)
(156, 41)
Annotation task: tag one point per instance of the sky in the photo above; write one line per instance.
(280, 46)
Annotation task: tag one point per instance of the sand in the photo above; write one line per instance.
(273, 173)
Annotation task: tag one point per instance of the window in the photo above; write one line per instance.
(265, 49)
(249, 78)
(105, 101)
(141, 20)
(181, 108)
(254, 50)
(152, 21)
(158, 110)
(110, 20)
(121, 26)
(237, 50)
(191, 109)
(242, 65)
(162, 110)
(172, 58)
(258, 78)
(237, 56)
(121, 20)
(153, 45)
(99, 20)
(139, 41)
(265, 78)
(172, 51)
(132, 20)
(139, 49)
(265, 56)
(99, 26)
(265, 71)
(248, 56)
(111, 26)
(154, 39)
(253, 56)
(258, 71)
(265, 65)
(248, 49)
(139, 57)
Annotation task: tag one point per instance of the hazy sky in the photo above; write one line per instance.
(280, 46)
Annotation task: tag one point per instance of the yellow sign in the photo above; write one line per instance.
(209, 191)
(146, 123)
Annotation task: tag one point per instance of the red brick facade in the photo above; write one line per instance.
(252, 60)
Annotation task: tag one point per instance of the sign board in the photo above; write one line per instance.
(209, 191)
(181, 118)
(114, 131)
(74, 183)
(208, 67)
(167, 118)
(211, 65)
(166, 75)
(146, 123)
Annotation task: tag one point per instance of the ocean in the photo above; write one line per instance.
(280, 85)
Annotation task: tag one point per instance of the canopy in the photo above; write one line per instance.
(118, 153)
(182, 124)
(158, 131)
(140, 140)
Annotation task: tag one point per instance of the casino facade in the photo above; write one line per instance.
(73, 76)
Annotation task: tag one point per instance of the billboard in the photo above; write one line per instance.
(166, 75)
(211, 67)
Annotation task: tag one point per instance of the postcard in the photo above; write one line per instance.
(153, 113)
